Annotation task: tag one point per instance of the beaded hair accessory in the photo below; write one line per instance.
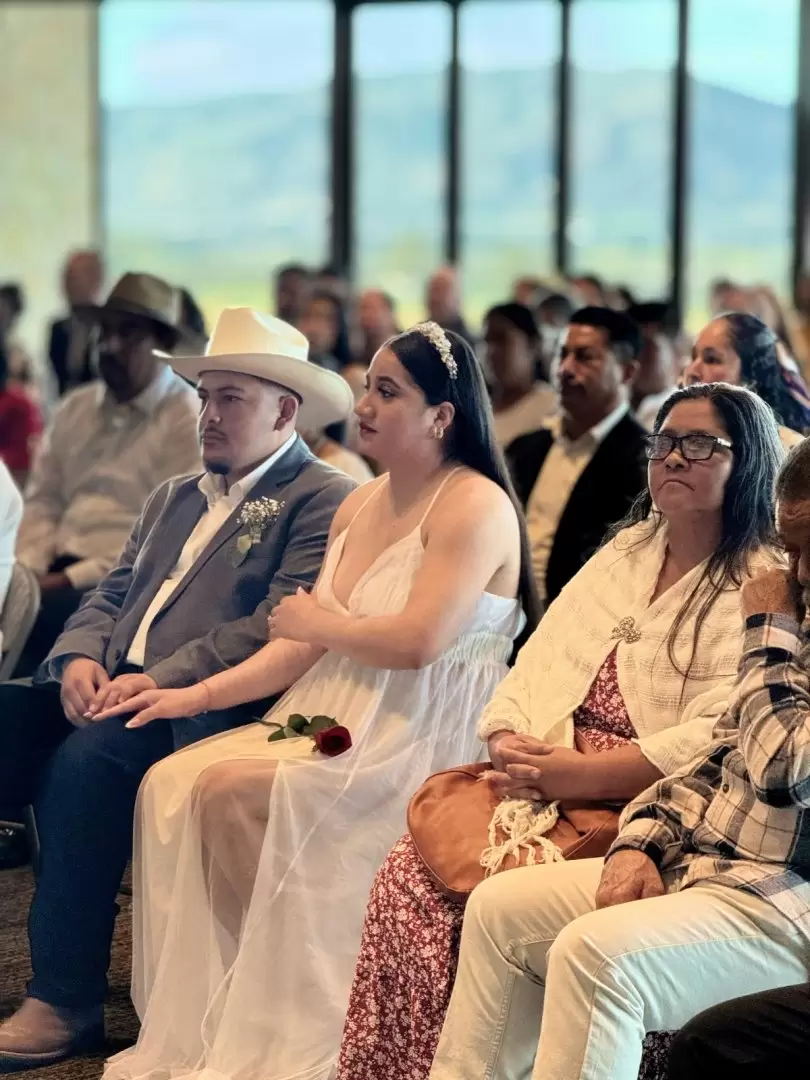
(441, 343)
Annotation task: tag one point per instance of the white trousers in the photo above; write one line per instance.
(538, 962)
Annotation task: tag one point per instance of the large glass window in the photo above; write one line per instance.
(743, 67)
(623, 53)
(401, 53)
(509, 51)
(216, 140)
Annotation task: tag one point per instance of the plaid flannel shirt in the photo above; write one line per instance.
(738, 815)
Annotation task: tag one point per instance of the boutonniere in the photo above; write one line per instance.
(327, 735)
(256, 516)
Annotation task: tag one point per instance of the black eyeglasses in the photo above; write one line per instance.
(694, 447)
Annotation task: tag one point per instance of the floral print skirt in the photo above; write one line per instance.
(405, 974)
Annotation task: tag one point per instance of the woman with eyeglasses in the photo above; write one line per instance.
(739, 349)
(638, 656)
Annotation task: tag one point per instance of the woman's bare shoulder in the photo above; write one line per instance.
(353, 503)
(470, 496)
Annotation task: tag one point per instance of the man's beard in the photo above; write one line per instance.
(218, 468)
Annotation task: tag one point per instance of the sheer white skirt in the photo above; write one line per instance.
(253, 862)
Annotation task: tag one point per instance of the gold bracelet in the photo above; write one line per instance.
(208, 695)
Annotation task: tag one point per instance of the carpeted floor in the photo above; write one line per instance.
(122, 1026)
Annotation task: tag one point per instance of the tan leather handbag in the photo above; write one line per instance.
(449, 818)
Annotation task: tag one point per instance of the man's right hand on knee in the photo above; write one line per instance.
(82, 680)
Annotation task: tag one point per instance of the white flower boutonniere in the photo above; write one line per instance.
(257, 516)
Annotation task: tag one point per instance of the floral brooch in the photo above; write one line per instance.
(256, 516)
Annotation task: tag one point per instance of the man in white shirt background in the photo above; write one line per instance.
(579, 475)
(111, 443)
(11, 506)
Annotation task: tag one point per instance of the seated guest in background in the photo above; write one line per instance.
(69, 347)
(520, 400)
(376, 323)
(579, 475)
(637, 656)
(12, 306)
(331, 279)
(326, 447)
(751, 1038)
(656, 379)
(443, 303)
(323, 323)
(13, 848)
(657, 373)
(591, 290)
(704, 895)
(621, 298)
(205, 564)
(110, 444)
(799, 324)
(658, 363)
(291, 283)
(739, 349)
(403, 642)
(194, 336)
(20, 424)
(726, 295)
(11, 506)
(552, 317)
(529, 291)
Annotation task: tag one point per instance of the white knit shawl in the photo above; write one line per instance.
(556, 667)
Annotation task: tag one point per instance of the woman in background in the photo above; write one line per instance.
(20, 423)
(520, 401)
(323, 323)
(329, 445)
(739, 349)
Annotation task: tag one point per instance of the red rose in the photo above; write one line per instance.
(333, 741)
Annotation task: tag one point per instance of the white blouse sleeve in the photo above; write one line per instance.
(669, 750)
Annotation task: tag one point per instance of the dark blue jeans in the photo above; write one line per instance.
(83, 782)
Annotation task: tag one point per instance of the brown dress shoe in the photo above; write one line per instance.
(39, 1034)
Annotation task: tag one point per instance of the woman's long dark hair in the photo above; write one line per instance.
(470, 440)
(761, 369)
(747, 519)
(340, 347)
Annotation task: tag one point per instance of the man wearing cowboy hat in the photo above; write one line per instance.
(112, 442)
(204, 565)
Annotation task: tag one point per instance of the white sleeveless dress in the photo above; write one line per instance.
(267, 1001)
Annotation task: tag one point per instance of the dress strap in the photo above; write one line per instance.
(436, 494)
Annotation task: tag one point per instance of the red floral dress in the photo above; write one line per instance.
(409, 952)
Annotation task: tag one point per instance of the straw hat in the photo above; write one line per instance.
(271, 349)
(143, 295)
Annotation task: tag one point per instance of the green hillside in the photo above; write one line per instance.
(215, 194)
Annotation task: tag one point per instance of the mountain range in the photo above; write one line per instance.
(215, 194)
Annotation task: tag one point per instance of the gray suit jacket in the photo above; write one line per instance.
(217, 616)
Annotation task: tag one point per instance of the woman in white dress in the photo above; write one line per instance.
(253, 860)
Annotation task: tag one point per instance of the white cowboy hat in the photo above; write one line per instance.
(271, 349)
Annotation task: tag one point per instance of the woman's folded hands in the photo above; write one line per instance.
(527, 768)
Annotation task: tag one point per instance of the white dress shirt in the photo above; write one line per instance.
(564, 464)
(526, 415)
(99, 463)
(220, 506)
(11, 510)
